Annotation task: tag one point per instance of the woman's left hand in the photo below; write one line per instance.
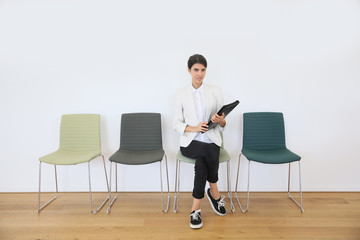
(219, 119)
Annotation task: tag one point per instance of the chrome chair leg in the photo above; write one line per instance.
(53, 198)
(109, 194)
(289, 194)
(236, 195)
(162, 193)
(229, 186)
(116, 188)
(177, 186)
(161, 183)
(107, 184)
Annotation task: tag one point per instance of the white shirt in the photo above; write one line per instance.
(200, 106)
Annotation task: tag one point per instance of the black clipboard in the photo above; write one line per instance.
(226, 109)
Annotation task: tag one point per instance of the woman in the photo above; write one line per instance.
(194, 106)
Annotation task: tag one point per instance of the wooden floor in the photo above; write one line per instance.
(138, 216)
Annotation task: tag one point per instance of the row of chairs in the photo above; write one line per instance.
(141, 143)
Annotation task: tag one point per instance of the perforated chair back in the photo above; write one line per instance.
(264, 142)
(140, 143)
(79, 143)
(263, 131)
(80, 132)
(141, 131)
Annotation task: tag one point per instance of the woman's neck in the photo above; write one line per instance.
(196, 86)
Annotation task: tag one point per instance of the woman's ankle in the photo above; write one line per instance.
(216, 195)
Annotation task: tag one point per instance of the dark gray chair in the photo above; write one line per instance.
(140, 143)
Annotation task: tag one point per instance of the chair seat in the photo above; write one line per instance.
(69, 157)
(132, 157)
(224, 157)
(274, 156)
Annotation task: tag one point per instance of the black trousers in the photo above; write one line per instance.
(206, 164)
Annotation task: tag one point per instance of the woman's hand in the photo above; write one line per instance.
(219, 119)
(201, 127)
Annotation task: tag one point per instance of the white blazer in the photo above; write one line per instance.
(185, 113)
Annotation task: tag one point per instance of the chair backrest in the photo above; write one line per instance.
(141, 131)
(263, 130)
(222, 140)
(80, 132)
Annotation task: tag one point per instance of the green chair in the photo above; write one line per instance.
(140, 143)
(224, 157)
(264, 142)
(79, 143)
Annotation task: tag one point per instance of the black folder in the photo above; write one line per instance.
(226, 109)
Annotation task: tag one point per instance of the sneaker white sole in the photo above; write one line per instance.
(197, 226)
(212, 205)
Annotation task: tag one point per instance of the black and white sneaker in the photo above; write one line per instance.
(195, 219)
(217, 205)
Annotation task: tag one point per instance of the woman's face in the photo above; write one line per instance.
(197, 72)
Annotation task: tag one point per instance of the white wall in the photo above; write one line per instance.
(111, 57)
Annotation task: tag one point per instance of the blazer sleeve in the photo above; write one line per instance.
(179, 124)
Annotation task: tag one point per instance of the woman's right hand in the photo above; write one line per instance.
(202, 127)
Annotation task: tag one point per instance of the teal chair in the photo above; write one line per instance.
(79, 143)
(264, 142)
(140, 144)
(224, 157)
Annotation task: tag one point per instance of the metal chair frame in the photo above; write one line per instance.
(177, 186)
(161, 183)
(56, 182)
(248, 184)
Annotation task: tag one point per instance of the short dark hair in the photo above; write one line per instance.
(197, 58)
